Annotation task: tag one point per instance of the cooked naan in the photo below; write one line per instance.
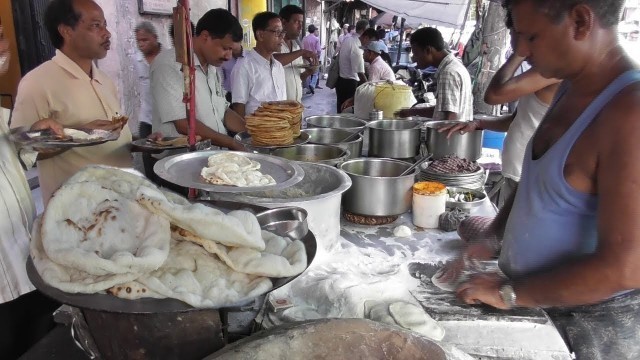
(238, 228)
(281, 257)
(196, 277)
(98, 231)
(66, 278)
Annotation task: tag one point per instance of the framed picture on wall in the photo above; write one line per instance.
(156, 7)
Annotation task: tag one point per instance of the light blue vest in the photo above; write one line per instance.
(551, 222)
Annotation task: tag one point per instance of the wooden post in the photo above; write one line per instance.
(494, 34)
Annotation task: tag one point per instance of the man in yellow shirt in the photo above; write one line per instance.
(71, 90)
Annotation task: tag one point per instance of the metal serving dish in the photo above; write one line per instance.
(290, 221)
(345, 122)
(397, 139)
(377, 188)
(328, 136)
(184, 170)
(316, 153)
(465, 205)
(112, 304)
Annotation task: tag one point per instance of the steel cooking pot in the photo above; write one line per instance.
(397, 139)
(345, 122)
(377, 189)
(315, 153)
(336, 137)
(466, 146)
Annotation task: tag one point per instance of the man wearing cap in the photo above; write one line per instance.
(311, 43)
(379, 70)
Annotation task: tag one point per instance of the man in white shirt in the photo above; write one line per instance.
(351, 65)
(292, 55)
(259, 77)
(147, 41)
(26, 314)
(378, 69)
(216, 33)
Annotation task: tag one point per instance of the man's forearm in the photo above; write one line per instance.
(500, 124)
(362, 77)
(233, 121)
(205, 132)
(239, 108)
(587, 280)
(287, 58)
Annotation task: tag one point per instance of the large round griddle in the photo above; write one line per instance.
(110, 303)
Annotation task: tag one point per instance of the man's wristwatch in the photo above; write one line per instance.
(508, 295)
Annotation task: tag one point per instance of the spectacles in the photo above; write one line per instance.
(277, 33)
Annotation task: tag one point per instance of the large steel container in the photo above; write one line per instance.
(466, 146)
(319, 192)
(377, 187)
(328, 136)
(397, 139)
(345, 122)
(315, 153)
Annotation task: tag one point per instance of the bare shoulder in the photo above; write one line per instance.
(618, 124)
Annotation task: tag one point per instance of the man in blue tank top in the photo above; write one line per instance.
(570, 238)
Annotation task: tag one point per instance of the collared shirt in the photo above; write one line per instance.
(167, 87)
(351, 61)
(256, 79)
(227, 68)
(379, 70)
(292, 73)
(453, 90)
(312, 43)
(144, 85)
(61, 90)
(17, 212)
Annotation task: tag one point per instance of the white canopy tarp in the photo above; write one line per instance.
(449, 13)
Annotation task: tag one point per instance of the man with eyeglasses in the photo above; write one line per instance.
(259, 77)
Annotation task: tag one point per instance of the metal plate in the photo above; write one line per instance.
(109, 303)
(45, 140)
(144, 145)
(184, 170)
(245, 139)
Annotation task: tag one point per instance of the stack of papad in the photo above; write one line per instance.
(289, 107)
(269, 130)
(79, 246)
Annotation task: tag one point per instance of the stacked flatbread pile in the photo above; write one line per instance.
(229, 168)
(107, 230)
(275, 123)
(289, 107)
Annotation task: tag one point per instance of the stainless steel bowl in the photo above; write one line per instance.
(466, 146)
(290, 221)
(315, 153)
(336, 137)
(397, 139)
(465, 205)
(377, 189)
(345, 122)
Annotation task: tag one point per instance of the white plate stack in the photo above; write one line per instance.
(474, 180)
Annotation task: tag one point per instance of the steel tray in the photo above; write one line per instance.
(184, 170)
(44, 139)
(245, 139)
(110, 303)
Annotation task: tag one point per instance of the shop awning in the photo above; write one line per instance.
(448, 13)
